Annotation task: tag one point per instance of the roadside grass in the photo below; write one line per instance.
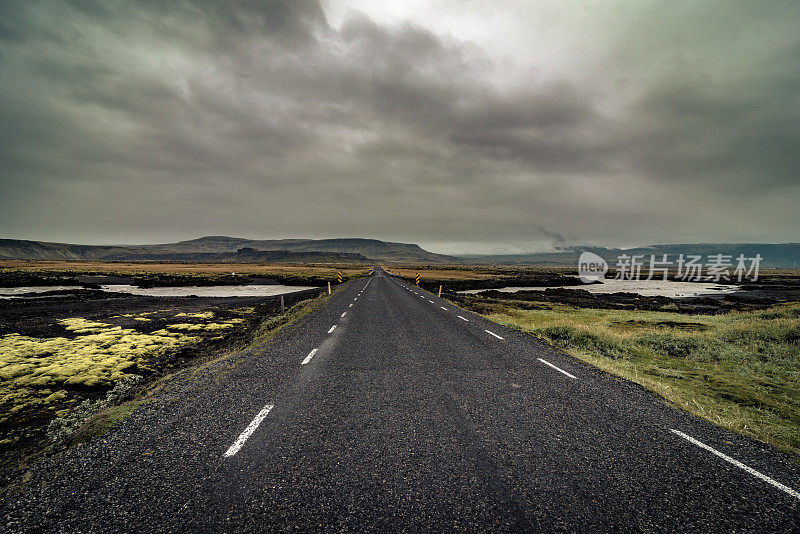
(739, 370)
(103, 421)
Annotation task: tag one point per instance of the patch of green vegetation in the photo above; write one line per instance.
(197, 315)
(100, 356)
(190, 327)
(104, 421)
(739, 370)
(46, 378)
(95, 418)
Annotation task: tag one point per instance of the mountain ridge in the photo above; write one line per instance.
(225, 248)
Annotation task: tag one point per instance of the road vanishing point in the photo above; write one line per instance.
(391, 410)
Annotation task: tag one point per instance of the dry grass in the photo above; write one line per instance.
(264, 269)
(444, 273)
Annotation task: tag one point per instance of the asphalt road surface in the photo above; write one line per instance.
(390, 410)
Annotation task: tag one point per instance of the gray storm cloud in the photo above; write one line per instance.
(152, 121)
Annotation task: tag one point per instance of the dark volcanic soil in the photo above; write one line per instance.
(768, 290)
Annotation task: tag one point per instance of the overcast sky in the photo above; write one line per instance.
(464, 126)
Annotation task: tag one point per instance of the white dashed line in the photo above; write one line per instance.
(463, 318)
(737, 463)
(350, 306)
(308, 358)
(495, 335)
(332, 329)
(345, 313)
(442, 307)
(429, 300)
(557, 368)
(233, 449)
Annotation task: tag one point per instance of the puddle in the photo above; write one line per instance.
(18, 292)
(254, 290)
(646, 288)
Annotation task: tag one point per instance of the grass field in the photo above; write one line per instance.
(739, 370)
(445, 273)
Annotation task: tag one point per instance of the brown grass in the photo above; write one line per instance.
(177, 267)
(473, 272)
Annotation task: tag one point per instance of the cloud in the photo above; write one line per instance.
(158, 120)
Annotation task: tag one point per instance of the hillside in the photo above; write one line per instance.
(233, 249)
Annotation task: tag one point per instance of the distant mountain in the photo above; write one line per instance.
(781, 255)
(234, 249)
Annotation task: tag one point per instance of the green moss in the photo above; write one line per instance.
(104, 421)
(100, 356)
(192, 327)
(197, 315)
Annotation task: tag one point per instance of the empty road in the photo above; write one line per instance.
(391, 410)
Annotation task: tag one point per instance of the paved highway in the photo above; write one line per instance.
(391, 410)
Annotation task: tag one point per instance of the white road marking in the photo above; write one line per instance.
(738, 464)
(355, 299)
(442, 307)
(345, 313)
(557, 368)
(332, 329)
(463, 318)
(350, 306)
(233, 449)
(421, 296)
(495, 335)
(308, 358)
(429, 300)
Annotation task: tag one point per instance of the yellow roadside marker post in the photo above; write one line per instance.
(440, 291)
(339, 276)
(417, 279)
(329, 288)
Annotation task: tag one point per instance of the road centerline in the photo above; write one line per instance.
(233, 449)
(308, 358)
